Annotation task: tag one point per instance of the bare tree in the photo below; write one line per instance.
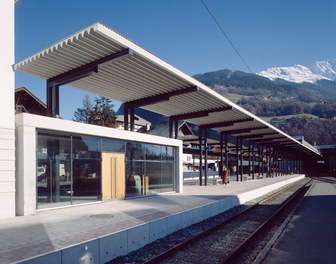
(82, 114)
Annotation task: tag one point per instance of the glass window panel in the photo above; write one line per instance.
(152, 184)
(134, 151)
(112, 145)
(134, 174)
(152, 177)
(53, 170)
(167, 177)
(134, 169)
(86, 164)
(69, 168)
(152, 152)
(168, 169)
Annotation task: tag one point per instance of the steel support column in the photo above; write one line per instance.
(253, 161)
(176, 128)
(52, 99)
(170, 127)
(249, 159)
(200, 137)
(221, 167)
(227, 157)
(241, 159)
(259, 158)
(286, 166)
(126, 117)
(289, 165)
(269, 161)
(301, 170)
(205, 156)
(276, 162)
(132, 118)
(237, 159)
(262, 163)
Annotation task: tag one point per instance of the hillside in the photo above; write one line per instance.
(299, 109)
(267, 98)
(306, 108)
(254, 84)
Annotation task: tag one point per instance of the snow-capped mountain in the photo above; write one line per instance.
(298, 73)
(325, 68)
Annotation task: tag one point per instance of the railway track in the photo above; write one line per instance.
(241, 237)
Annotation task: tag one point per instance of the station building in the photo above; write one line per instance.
(47, 162)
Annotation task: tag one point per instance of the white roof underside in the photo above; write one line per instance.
(139, 76)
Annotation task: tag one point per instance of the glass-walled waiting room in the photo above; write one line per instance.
(149, 169)
(75, 169)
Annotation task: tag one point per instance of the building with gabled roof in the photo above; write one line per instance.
(27, 102)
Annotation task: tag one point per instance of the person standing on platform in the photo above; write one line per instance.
(225, 175)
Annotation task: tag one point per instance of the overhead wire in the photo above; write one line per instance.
(226, 36)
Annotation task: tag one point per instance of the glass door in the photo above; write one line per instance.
(54, 183)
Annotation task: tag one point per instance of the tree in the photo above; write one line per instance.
(101, 113)
(82, 114)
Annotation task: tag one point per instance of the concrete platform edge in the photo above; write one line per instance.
(106, 248)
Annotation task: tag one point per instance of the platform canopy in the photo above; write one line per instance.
(101, 61)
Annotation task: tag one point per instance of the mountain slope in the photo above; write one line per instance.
(325, 68)
(257, 85)
(292, 103)
(319, 70)
(297, 73)
(227, 78)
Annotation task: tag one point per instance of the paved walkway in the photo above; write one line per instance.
(310, 236)
(49, 231)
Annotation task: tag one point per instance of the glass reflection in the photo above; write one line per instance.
(86, 163)
(53, 170)
(134, 169)
(168, 169)
(152, 184)
(150, 169)
(69, 168)
(112, 145)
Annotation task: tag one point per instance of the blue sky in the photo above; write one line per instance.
(181, 32)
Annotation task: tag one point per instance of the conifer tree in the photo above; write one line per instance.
(100, 113)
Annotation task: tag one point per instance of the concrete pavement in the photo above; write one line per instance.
(310, 236)
(96, 233)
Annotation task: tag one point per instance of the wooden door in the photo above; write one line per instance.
(113, 178)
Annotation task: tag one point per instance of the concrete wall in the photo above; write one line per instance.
(7, 132)
(26, 125)
(25, 170)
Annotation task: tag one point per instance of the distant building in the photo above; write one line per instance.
(140, 124)
(329, 159)
(27, 102)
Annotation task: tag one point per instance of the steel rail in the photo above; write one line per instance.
(210, 230)
(284, 205)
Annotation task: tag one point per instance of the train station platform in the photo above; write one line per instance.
(310, 235)
(97, 233)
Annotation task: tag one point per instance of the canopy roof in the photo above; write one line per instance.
(103, 62)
